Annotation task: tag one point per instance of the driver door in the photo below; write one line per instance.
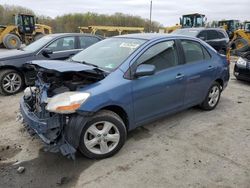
(163, 91)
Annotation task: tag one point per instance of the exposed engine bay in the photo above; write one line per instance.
(48, 125)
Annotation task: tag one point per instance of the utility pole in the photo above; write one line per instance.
(150, 18)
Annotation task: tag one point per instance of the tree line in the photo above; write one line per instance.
(71, 22)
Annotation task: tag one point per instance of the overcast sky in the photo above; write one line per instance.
(165, 12)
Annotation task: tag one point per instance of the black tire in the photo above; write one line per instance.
(11, 41)
(38, 36)
(107, 116)
(205, 105)
(3, 75)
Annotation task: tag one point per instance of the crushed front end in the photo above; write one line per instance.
(51, 125)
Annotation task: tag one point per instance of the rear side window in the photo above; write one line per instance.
(202, 35)
(192, 50)
(207, 56)
(87, 41)
(221, 35)
(212, 34)
(163, 55)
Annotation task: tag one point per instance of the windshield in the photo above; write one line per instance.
(109, 53)
(34, 46)
(186, 32)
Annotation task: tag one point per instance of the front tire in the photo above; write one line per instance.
(103, 136)
(11, 82)
(212, 98)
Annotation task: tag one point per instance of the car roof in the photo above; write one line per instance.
(204, 28)
(152, 36)
(72, 34)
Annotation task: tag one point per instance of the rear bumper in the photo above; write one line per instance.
(242, 73)
(42, 128)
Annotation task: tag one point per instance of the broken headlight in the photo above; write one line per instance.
(66, 103)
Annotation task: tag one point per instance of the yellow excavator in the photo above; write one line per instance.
(25, 30)
(240, 43)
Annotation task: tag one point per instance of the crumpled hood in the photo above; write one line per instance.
(14, 54)
(61, 66)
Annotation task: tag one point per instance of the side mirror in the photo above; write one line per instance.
(46, 52)
(144, 70)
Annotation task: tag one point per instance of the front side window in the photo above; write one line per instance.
(163, 55)
(192, 50)
(87, 41)
(66, 43)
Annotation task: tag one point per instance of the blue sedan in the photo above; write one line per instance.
(90, 102)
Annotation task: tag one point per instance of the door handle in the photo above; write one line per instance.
(179, 76)
(210, 67)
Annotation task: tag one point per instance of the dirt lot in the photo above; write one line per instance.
(190, 149)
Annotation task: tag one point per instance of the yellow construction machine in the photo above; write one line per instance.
(188, 21)
(230, 26)
(25, 30)
(114, 30)
(240, 43)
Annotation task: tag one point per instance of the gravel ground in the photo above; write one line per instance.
(189, 149)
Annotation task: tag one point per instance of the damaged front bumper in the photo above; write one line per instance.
(55, 141)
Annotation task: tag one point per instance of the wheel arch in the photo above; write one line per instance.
(120, 112)
(220, 81)
(5, 67)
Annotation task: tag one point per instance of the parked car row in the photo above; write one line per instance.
(90, 102)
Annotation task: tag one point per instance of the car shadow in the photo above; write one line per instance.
(47, 170)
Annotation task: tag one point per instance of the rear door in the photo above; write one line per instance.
(199, 71)
(162, 92)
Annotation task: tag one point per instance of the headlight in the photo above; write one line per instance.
(241, 62)
(67, 102)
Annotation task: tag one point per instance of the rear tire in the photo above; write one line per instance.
(11, 41)
(11, 82)
(212, 98)
(103, 135)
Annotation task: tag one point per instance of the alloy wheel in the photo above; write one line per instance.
(213, 96)
(101, 137)
(12, 82)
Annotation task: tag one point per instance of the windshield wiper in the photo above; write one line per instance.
(84, 62)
